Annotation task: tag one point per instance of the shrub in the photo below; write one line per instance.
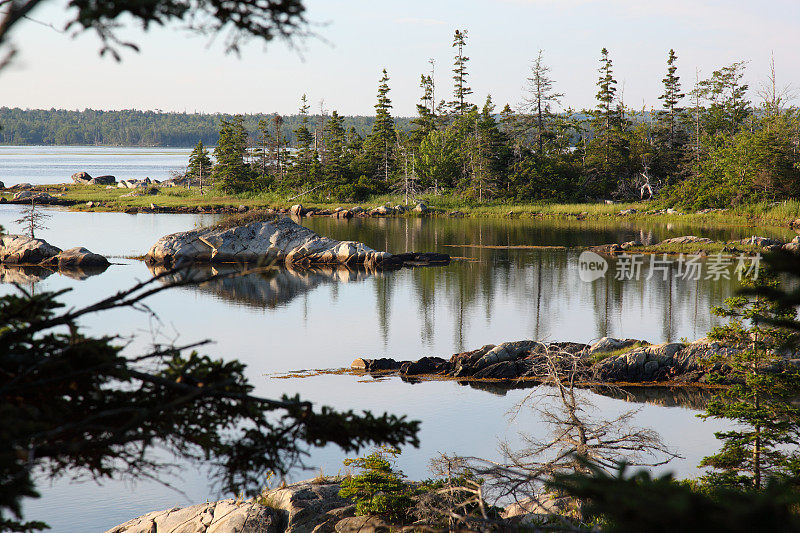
(379, 489)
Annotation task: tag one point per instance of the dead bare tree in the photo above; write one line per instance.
(577, 438)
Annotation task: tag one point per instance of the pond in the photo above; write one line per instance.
(509, 280)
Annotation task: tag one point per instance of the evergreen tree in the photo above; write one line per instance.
(380, 144)
(671, 98)
(304, 165)
(336, 164)
(607, 151)
(199, 164)
(426, 119)
(540, 99)
(231, 172)
(461, 90)
(670, 136)
(759, 394)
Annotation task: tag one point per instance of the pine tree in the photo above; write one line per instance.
(199, 164)
(336, 164)
(671, 97)
(231, 172)
(381, 142)
(670, 136)
(608, 148)
(303, 161)
(540, 99)
(759, 395)
(461, 90)
(426, 119)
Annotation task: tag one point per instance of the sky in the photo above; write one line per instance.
(354, 40)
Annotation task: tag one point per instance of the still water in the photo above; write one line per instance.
(55, 164)
(495, 290)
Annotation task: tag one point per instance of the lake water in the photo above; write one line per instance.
(55, 164)
(290, 320)
(495, 290)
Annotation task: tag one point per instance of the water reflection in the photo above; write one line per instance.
(268, 287)
(538, 291)
(31, 274)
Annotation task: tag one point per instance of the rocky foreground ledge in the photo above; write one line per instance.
(608, 360)
(304, 507)
(275, 240)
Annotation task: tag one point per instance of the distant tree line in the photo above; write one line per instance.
(136, 128)
(708, 147)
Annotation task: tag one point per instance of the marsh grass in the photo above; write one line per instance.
(762, 213)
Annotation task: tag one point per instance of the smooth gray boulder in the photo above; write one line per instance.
(103, 180)
(21, 249)
(37, 197)
(81, 178)
(76, 262)
(276, 240)
(77, 257)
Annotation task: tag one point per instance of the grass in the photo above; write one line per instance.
(602, 356)
(243, 219)
(697, 248)
(115, 199)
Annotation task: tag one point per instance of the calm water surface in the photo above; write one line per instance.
(288, 320)
(55, 164)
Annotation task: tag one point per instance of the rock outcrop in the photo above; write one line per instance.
(608, 360)
(24, 250)
(35, 197)
(20, 249)
(224, 516)
(276, 240)
(312, 506)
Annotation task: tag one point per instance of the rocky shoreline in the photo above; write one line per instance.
(607, 361)
(304, 507)
(674, 245)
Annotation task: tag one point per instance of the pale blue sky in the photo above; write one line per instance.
(358, 38)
